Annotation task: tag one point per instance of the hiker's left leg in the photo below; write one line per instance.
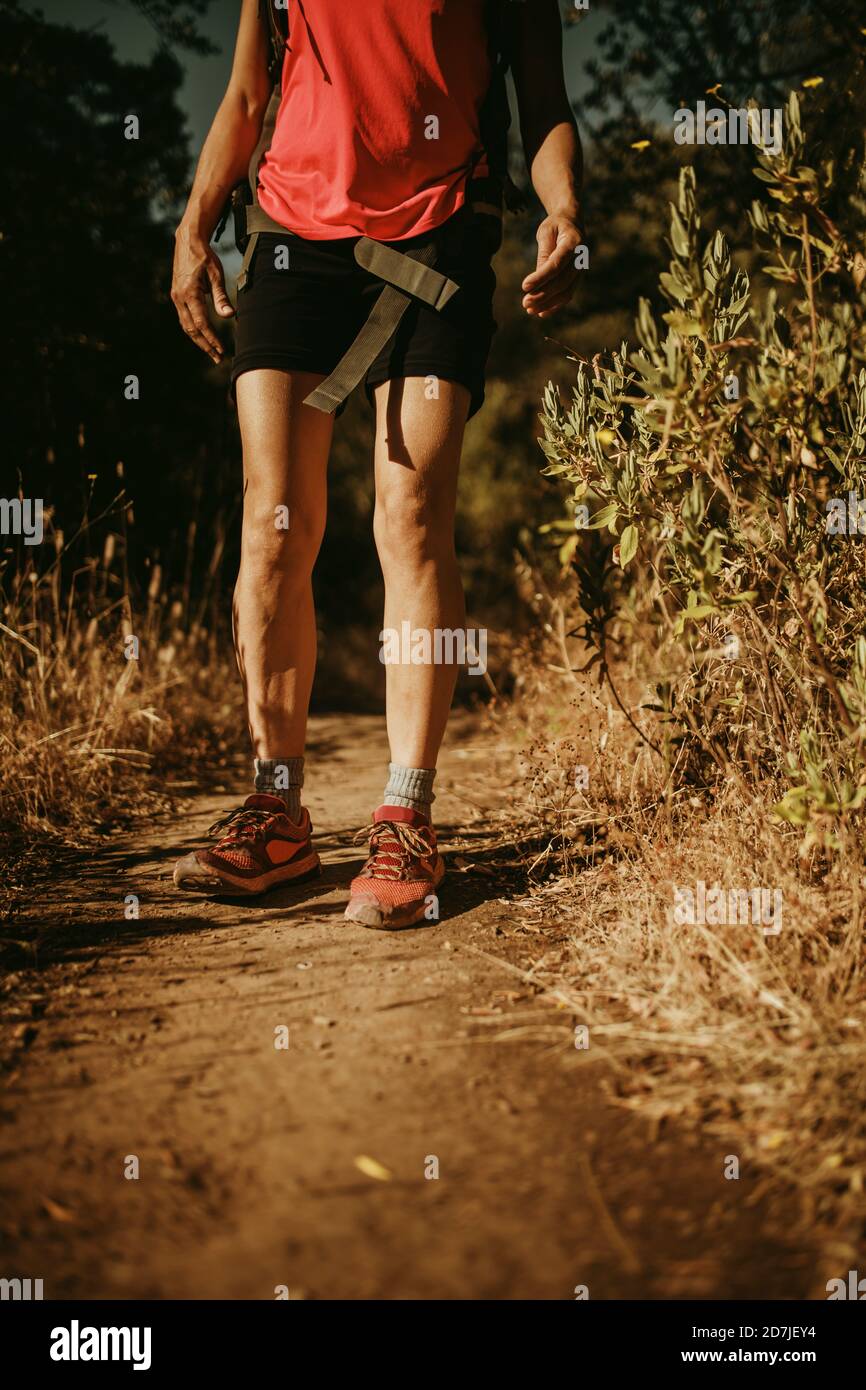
(417, 457)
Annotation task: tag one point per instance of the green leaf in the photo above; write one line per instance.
(567, 549)
(683, 323)
(604, 517)
(693, 615)
(628, 545)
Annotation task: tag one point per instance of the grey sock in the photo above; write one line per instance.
(282, 777)
(410, 786)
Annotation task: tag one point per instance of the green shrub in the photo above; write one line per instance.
(717, 464)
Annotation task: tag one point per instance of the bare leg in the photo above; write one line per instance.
(285, 450)
(417, 457)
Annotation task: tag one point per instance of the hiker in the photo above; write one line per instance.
(377, 171)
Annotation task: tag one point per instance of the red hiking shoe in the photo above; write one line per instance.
(257, 848)
(395, 886)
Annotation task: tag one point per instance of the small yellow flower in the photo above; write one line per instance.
(641, 144)
(813, 81)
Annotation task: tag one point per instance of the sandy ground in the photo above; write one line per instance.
(420, 1050)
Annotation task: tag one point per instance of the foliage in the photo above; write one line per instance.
(642, 61)
(712, 456)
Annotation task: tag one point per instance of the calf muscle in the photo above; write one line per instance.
(285, 447)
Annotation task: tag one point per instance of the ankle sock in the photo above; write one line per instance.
(410, 786)
(282, 777)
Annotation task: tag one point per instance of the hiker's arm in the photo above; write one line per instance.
(223, 163)
(553, 153)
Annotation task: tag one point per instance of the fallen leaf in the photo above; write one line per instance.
(372, 1168)
(56, 1211)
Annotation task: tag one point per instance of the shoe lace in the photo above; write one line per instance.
(393, 847)
(244, 823)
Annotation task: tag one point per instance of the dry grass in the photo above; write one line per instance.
(87, 735)
(759, 1039)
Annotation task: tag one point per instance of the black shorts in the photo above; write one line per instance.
(304, 317)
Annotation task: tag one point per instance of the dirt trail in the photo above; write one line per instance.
(155, 1038)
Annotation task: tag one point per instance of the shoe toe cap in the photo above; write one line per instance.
(366, 911)
(189, 872)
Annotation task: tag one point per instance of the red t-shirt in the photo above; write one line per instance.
(378, 124)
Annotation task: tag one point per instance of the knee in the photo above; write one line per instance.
(412, 527)
(279, 544)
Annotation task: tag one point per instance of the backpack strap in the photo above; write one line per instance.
(277, 24)
(411, 274)
(265, 140)
(245, 196)
(494, 118)
(407, 275)
(276, 21)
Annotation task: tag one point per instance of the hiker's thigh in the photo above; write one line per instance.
(450, 344)
(417, 460)
(285, 456)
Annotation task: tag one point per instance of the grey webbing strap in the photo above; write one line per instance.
(259, 221)
(408, 274)
(255, 219)
(266, 136)
(381, 325)
(249, 251)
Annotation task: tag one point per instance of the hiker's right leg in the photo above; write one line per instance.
(285, 453)
(266, 842)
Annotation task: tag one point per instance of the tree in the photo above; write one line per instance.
(93, 181)
(656, 56)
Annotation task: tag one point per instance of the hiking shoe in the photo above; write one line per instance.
(257, 847)
(395, 886)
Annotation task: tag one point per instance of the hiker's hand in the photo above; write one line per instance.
(198, 272)
(552, 282)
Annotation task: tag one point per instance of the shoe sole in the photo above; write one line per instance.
(367, 913)
(213, 883)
